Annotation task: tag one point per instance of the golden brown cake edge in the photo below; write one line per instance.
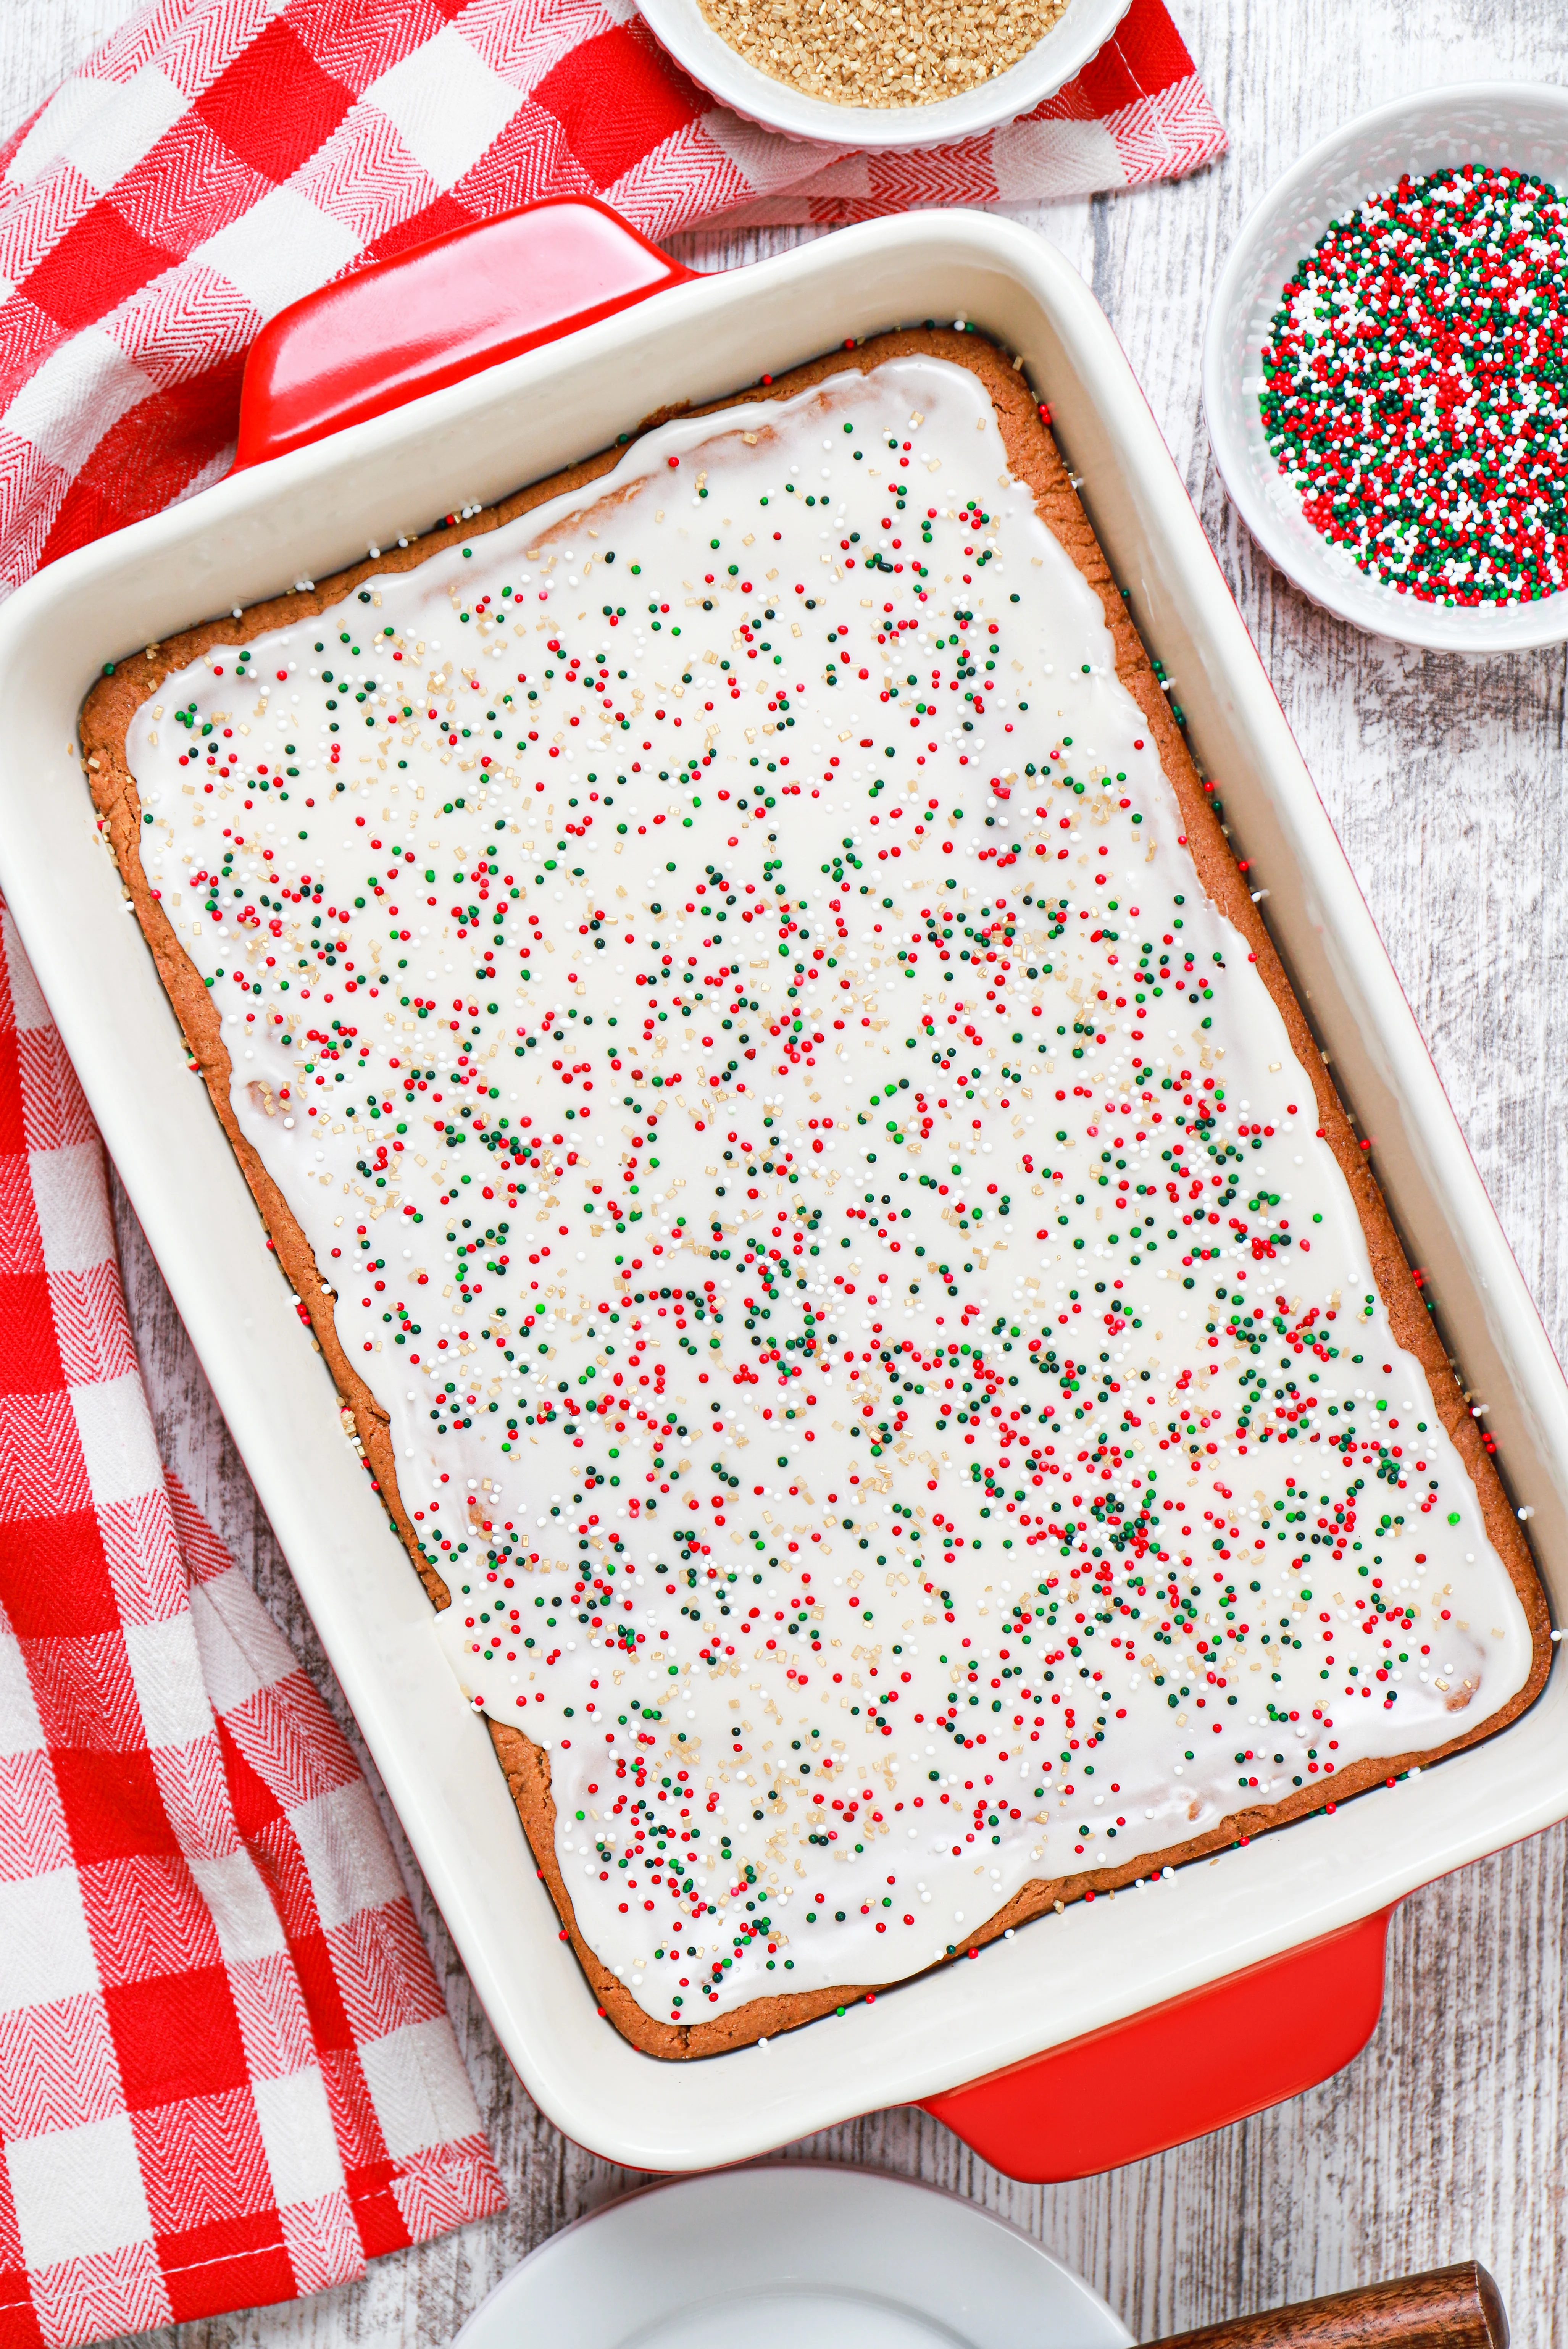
(1034, 459)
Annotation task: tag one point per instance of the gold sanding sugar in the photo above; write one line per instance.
(883, 54)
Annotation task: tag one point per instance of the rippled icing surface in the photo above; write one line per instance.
(873, 1341)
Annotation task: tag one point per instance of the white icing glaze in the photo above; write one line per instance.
(990, 1076)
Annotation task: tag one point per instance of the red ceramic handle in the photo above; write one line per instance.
(436, 313)
(1179, 2070)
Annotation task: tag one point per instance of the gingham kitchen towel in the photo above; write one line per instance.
(226, 2073)
(217, 159)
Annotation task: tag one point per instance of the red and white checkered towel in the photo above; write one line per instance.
(226, 2073)
(218, 159)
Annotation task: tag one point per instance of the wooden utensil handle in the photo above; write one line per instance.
(1449, 2308)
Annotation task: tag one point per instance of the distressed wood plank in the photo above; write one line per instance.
(1449, 2136)
(42, 41)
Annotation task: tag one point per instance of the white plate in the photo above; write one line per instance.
(304, 515)
(1522, 124)
(793, 2256)
(1078, 35)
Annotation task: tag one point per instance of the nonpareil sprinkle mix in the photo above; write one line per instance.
(1415, 381)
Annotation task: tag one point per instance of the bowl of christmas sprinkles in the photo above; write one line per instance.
(1385, 370)
(882, 75)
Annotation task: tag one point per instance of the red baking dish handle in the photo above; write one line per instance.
(1177, 2071)
(438, 313)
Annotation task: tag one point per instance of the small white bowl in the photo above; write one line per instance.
(1522, 124)
(1078, 35)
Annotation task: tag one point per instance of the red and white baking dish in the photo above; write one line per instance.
(1089, 2039)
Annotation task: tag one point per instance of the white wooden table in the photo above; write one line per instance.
(1449, 2134)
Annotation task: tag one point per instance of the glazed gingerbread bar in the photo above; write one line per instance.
(745, 1030)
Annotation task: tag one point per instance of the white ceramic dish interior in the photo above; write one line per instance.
(793, 2256)
(1079, 33)
(1521, 124)
(306, 513)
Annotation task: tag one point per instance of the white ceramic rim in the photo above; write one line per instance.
(788, 2228)
(1077, 37)
(1521, 123)
(318, 507)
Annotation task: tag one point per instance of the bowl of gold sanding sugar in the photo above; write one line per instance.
(1386, 369)
(884, 75)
